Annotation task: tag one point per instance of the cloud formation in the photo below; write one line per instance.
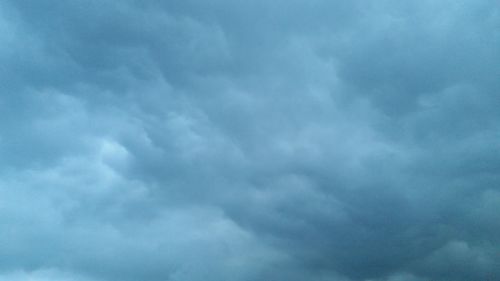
(249, 140)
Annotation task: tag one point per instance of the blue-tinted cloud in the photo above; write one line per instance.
(261, 140)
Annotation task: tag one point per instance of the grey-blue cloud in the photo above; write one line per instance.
(236, 140)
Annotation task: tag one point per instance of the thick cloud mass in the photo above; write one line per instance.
(249, 140)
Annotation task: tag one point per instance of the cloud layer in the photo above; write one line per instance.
(249, 140)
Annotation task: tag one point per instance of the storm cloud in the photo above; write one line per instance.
(249, 140)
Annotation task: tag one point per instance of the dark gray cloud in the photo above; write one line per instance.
(249, 140)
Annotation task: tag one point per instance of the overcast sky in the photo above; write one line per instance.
(249, 140)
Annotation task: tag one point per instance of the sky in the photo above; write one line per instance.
(263, 140)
